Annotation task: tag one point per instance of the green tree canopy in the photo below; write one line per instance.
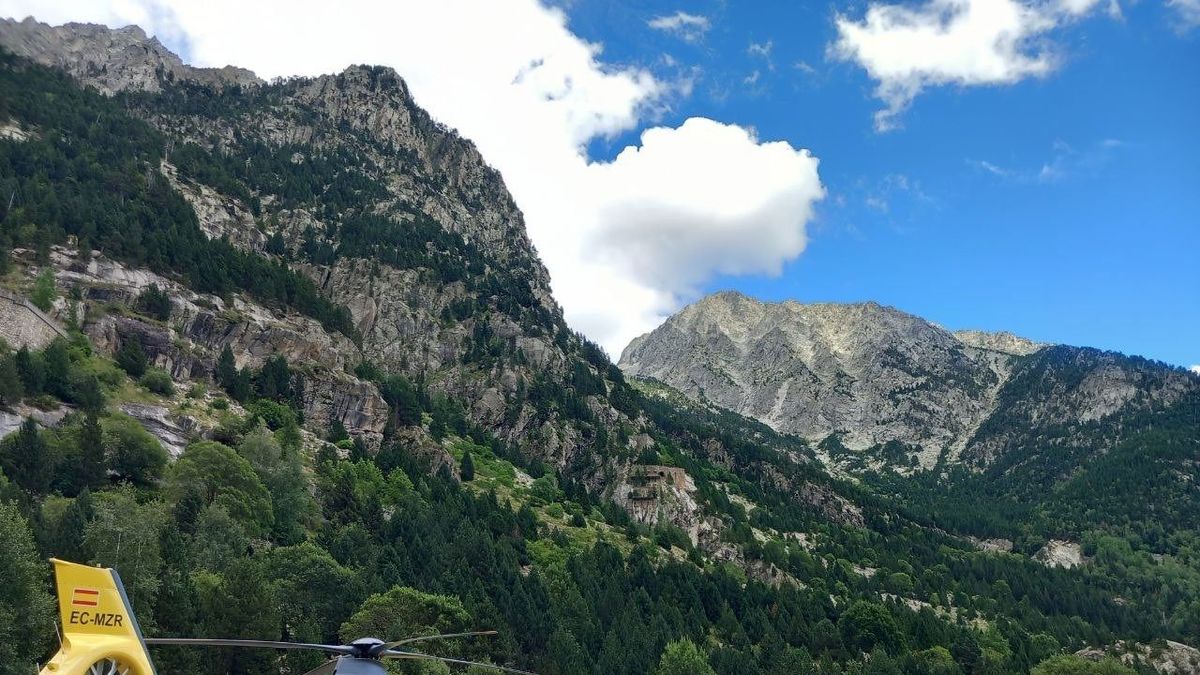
(404, 612)
(683, 657)
(26, 607)
(133, 454)
(221, 476)
(867, 625)
(1069, 664)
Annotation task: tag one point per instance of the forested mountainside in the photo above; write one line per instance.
(986, 434)
(283, 355)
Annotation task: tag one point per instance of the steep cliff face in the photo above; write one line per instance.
(200, 325)
(344, 180)
(111, 60)
(347, 180)
(868, 373)
(873, 375)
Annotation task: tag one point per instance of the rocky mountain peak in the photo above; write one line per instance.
(823, 368)
(874, 376)
(111, 60)
(1001, 341)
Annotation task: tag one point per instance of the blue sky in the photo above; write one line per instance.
(1021, 165)
(1064, 208)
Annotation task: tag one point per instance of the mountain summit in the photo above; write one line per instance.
(871, 375)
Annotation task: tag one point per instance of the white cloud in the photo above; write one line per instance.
(625, 241)
(1065, 162)
(761, 49)
(907, 49)
(1195, 369)
(1187, 12)
(690, 27)
(705, 197)
(993, 169)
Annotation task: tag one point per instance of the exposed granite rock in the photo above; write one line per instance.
(1168, 658)
(660, 494)
(1060, 553)
(219, 216)
(831, 504)
(124, 59)
(870, 373)
(200, 326)
(1003, 342)
(873, 375)
(172, 432)
(9, 423)
(995, 545)
(11, 131)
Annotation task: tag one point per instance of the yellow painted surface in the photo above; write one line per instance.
(97, 622)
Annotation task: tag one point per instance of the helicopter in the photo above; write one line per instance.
(101, 636)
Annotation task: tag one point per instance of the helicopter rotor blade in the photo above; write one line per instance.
(261, 644)
(422, 638)
(327, 668)
(397, 654)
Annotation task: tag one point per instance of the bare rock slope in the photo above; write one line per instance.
(124, 59)
(873, 375)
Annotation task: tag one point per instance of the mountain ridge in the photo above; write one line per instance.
(833, 369)
(326, 288)
(89, 51)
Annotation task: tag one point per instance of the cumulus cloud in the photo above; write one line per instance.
(625, 241)
(1195, 369)
(690, 27)
(705, 197)
(907, 49)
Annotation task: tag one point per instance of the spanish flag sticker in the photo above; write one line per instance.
(85, 597)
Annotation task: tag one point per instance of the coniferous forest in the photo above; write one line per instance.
(272, 527)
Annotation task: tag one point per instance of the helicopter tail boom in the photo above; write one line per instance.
(97, 622)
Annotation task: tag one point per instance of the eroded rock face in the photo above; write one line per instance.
(870, 373)
(219, 216)
(661, 494)
(1003, 342)
(1168, 658)
(1060, 553)
(173, 432)
(111, 60)
(200, 326)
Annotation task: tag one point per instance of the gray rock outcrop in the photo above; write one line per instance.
(124, 59)
(869, 373)
(873, 377)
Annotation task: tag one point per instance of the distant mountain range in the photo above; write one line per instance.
(320, 256)
(866, 377)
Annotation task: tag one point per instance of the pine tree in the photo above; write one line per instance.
(154, 302)
(44, 291)
(24, 603)
(31, 369)
(91, 450)
(242, 386)
(683, 657)
(466, 468)
(11, 389)
(226, 371)
(29, 464)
